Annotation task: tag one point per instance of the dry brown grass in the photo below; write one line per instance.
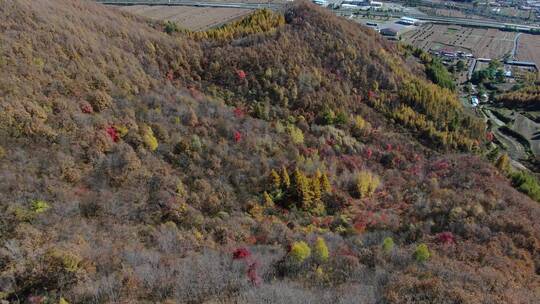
(92, 211)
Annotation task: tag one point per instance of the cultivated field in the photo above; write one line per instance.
(486, 43)
(529, 48)
(448, 13)
(514, 12)
(193, 18)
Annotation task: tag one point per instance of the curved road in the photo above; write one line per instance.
(277, 6)
(514, 50)
(447, 20)
(515, 148)
(246, 5)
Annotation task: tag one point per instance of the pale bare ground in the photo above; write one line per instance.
(530, 130)
(449, 13)
(188, 17)
(529, 48)
(485, 43)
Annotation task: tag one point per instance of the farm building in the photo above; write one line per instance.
(474, 101)
(355, 4)
(390, 32)
(519, 69)
(448, 53)
(408, 21)
(321, 2)
(521, 63)
(484, 97)
(361, 4)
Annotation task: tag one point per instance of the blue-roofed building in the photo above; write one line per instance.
(474, 101)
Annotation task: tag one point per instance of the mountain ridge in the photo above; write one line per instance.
(141, 166)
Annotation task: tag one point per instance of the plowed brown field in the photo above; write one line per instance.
(193, 18)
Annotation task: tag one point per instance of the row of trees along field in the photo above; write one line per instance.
(527, 97)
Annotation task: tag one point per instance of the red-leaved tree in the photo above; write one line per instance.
(113, 134)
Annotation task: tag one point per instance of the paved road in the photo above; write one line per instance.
(514, 50)
(467, 9)
(530, 130)
(471, 69)
(343, 11)
(445, 20)
(193, 3)
(514, 148)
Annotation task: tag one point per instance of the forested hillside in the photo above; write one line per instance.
(289, 157)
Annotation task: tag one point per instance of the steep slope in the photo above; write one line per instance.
(268, 160)
(320, 63)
